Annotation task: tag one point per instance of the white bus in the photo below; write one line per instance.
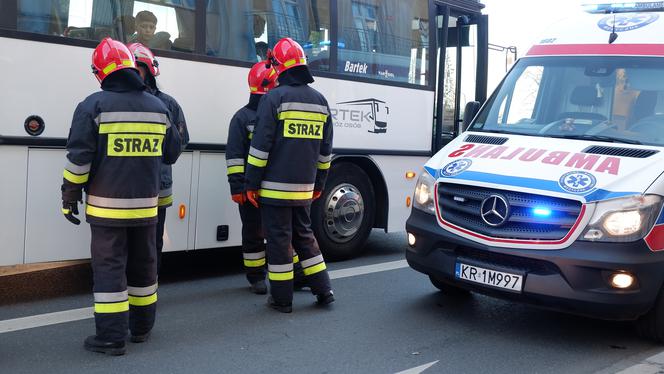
(384, 53)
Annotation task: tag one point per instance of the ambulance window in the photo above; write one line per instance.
(244, 30)
(384, 39)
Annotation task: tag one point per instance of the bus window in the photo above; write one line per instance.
(385, 39)
(244, 30)
(166, 24)
(71, 19)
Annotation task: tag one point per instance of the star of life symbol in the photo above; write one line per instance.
(627, 22)
(456, 167)
(577, 181)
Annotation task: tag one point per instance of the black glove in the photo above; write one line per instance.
(70, 209)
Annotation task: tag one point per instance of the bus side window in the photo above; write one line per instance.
(384, 39)
(166, 25)
(64, 18)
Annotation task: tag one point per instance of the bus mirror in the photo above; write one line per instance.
(472, 107)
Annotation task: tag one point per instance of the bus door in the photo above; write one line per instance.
(462, 40)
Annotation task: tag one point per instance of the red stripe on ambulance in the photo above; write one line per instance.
(597, 49)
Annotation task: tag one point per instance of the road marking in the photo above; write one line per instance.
(418, 369)
(651, 365)
(72, 315)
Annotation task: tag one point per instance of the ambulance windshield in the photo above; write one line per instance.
(612, 99)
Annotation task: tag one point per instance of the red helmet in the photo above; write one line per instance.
(144, 54)
(110, 56)
(287, 53)
(262, 78)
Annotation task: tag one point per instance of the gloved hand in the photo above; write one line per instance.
(239, 198)
(317, 195)
(70, 209)
(252, 196)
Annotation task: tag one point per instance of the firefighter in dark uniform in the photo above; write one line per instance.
(117, 141)
(261, 79)
(288, 161)
(148, 67)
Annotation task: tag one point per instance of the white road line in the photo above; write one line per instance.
(418, 369)
(651, 365)
(47, 319)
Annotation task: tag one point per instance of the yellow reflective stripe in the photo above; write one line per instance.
(75, 178)
(253, 89)
(66, 211)
(323, 165)
(132, 127)
(127, 63)
(121, 213)
(235, 170)
(109, 68)
(165, 200)
(251, 135)
(122, 306)
(254, 263)
(281, 276)
(296, 259)
(143, 300)
(315, 269)
(294, 61)
(285, 195)
(256, 161)
(295, 114)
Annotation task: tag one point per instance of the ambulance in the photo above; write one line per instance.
(553, 193)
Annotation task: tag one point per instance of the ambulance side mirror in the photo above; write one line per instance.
(472, 107)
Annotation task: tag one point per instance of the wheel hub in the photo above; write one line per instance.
(344, 210)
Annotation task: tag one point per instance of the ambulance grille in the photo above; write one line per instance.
(460, 205)
(483, 139)
(622, 152)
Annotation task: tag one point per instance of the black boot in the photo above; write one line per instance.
(283, 308)
(325, 298)
(259, 287)
(139, 338)
(93, 344)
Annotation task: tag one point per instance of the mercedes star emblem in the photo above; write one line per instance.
(495, 210)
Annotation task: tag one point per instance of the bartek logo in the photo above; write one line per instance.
(371, 114)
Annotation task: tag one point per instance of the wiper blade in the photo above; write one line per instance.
(599, 138)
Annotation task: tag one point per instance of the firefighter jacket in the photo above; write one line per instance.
(166, 184)
(117, 141)
(290, 152)
(240, 133)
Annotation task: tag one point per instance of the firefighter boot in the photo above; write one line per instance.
(93, 344)
(259, 287)
(139, 338)
(283, 308)
(325, 298)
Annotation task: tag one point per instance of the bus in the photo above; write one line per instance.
(395, 73)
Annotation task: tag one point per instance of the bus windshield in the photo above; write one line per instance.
(609, 99)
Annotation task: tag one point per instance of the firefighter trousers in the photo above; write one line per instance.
(124, 267)
(161, 221)
(253, 245)
(284, 225)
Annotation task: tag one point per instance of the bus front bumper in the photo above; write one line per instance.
(573, 280)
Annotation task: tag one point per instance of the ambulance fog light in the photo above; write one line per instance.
(622, 223)
(593, 234)
(411, 239)
(621, 280)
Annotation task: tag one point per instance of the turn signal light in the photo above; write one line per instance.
(621, 280)
(182, 212)
(410, 174)
(408, 201)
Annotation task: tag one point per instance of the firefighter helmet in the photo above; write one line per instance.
(262, 78)
(110, 56)
(287, 53)
(144, 55)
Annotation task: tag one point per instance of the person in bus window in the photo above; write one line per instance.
(118, 139)
(289, 157)
(146, 25)
(148, 67)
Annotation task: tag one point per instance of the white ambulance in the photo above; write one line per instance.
(553, 196)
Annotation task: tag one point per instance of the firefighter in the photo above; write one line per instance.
(148, 67)
(117, 141)
(261, 79)
(288, 161)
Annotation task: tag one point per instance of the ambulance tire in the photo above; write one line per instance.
(448, 289)
(342, 218)
(651, 324)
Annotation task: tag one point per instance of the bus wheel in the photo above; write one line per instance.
(448, 289)
(343, 216)
(651, 324)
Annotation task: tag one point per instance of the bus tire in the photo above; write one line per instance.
(448, 289)
(343, 216)
(651, 325)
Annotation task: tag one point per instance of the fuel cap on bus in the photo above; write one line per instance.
(34, 125)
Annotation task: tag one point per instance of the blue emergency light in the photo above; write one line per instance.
(542, 212)
(645, 6)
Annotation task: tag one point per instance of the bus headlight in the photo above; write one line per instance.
(623, 220)
(424, 191)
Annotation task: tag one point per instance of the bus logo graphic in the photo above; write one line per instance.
(367, 113)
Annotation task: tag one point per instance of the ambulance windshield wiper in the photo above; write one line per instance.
(599, 138)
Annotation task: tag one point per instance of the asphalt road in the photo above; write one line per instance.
(383, 322)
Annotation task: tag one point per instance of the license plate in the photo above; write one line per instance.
(493, 278)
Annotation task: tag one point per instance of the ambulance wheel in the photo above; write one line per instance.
(651, 324)
(343, 216)
(448, 289)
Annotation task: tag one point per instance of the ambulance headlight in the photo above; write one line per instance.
(623, 220)
(424, 190)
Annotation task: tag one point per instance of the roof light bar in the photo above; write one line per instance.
(645, 6)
